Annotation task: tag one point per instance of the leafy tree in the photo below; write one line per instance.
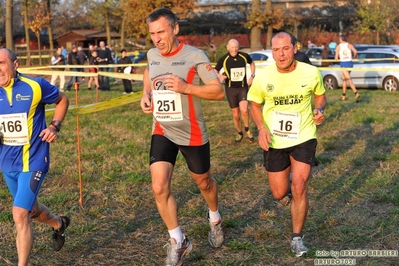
(138, 10)
(377, 16)
(37, 19)
(271, 18)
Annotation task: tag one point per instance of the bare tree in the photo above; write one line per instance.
(9, 24)
(256, 31)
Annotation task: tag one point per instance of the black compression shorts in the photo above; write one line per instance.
(198, 158)
(236, 95)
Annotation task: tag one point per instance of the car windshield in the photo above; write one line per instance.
(259, 57)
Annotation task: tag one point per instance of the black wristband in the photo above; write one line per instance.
(56, 124)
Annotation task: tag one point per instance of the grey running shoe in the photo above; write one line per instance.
(59, 235)
(298, 247)
(216, 235)
(177, 251)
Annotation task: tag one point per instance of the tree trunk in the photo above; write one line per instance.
(39, 47)
(50, 28)
(27, 37)
(9, 25)
(256, 32)
(269, 27)
(122, 33)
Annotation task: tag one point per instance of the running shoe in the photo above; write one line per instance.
(357, 96)
(238, 138)
(177, 251)
(216, 234)
(343, 97)
(298, 247)
(250, 136)
(59, 235)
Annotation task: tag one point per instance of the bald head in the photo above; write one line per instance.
(232, 47)
(282, 35)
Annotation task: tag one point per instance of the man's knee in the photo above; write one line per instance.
(20, 215)
(205, 183)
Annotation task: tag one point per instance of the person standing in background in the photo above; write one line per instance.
(104, 58)
(93, 62)
(82, 60)
(127, 83)
(58, 59)
(73, 60)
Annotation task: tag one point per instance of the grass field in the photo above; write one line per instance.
(354, 192)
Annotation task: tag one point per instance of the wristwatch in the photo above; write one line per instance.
(253, 75)
(56, 124)
(320, 110)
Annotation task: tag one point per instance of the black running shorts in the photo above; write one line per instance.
(198, 158)
(236, 95)
(277, 160)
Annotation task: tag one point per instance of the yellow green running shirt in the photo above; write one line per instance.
(287, 98)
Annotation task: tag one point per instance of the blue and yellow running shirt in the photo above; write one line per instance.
(287, 98)
(22, 118)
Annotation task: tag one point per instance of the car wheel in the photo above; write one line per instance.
(330, 82)
(390, 83)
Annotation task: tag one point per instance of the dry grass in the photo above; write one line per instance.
(354, 193)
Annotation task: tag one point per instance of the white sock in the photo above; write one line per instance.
(176, 234)
(214, 217)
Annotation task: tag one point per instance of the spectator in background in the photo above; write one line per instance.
(300, 56)
(73, 60)
(94, 69)
(58, 59)
(82, 59)
(64, 53)
(310, 44)
(104, 58)
(324, 55)
(127, 84)
(332, 45)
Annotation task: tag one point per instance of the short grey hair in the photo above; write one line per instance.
(11, 55)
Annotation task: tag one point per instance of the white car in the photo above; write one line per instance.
(262, 57)
(379, 68)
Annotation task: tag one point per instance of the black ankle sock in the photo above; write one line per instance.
(343, 94)
(240, 133)
(296, 235)
(246, 129)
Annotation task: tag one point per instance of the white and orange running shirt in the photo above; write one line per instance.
(177, 116)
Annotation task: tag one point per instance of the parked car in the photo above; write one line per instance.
(383, 71)
(314, 55)
(362, 47)
(264, 56)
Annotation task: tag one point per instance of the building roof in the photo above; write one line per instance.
(90, 34)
